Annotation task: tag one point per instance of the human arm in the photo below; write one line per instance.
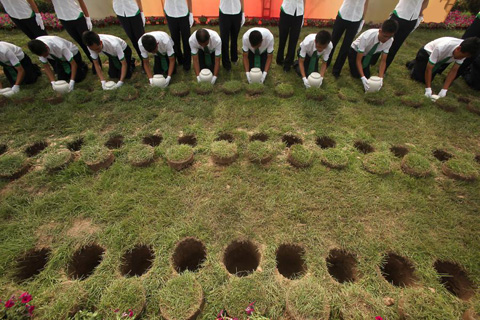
(196, 65)
(383, 65)
(217, 66)
(269, 62)
(451, 77)
(146, 67)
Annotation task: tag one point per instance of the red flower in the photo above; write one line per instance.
(30, 309)
(26, 298)
(130, 313)
(9, 304)
(250, 309)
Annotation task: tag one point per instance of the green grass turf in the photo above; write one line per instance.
(317, 207)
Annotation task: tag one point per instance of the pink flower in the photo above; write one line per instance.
(9, 304)
(250, 309)
(26, 298)
(30, 309)
(378, 318)
(130, 313)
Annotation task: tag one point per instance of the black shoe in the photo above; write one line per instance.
(410, 64)
(186, 68)
(280, 62)
(227, 67)
(336, 75)
(286, 68)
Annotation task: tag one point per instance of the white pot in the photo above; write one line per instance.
(61, 86)
(315, 79)
(435, 97)
(158, 80)
(256, 75)
(7, 92)
(375, 84)
(110, 85)
(206, 75)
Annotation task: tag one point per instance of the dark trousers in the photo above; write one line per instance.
(405, 27)
(159, 69)
(288, 27)
(472, 31)
(29, 27)
(115, 65)
(76, 28)
(420, 65)
(306, 64)
(180, 30)
(201, 60)
(352, 62)
(472, 74)
(339, 27)
(229, 30)
(81, 70)
(251, 60)
(134, 29)
(32, 72)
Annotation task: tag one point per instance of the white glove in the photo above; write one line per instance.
(381, 83)
(248, 77)
(198, 79)
(243, 19)
(190, 19)
(143, 18)
(214, 79)
(151, 81)
(119, 84)
(428, 92)
(419, 21)
(89, 23)
(53, 85)
(365, 83)
(441, 94)
(38, 18)
(167, 81)
(71, 85)
(264, 76)
(15, 89)
(306, 83)
(360, 27)
(103, 82)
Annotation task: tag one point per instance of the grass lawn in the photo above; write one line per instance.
(362, 213)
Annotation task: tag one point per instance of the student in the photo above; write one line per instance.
(69, 65)
(131, 17)
(409, 15)
(120, 63)
(17, 66)
(470, 69)
(75, 18)
(161, 46)
(25, 15)
(180, 19)
(435, 54)
(349, 20)
(311, 49)
(257, 51)
(206, 47)
(366, 50)
(231, 18)
(289, 26)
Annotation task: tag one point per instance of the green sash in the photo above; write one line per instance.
(313, 63)
(369, 56)
(208, 57)
(478, 15)
(163, 60)
(116, 62)
(439, 64)
(65, 64)
(11, 70)
(257, 62)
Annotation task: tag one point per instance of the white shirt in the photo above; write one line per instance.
(67, 9)
(367, 40)
(125, 8)
(18, 9)
(308, 47)
(165, 44)
(442, 48)
(408, 9)
(176, 8)
(293, 7)
(113, 46)
(230, 6)
(214, 44)
(10, 54)
(352, 10)
(267, 42)
(59, 48)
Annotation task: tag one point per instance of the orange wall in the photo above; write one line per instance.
(378, 10)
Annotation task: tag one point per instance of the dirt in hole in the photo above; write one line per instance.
(477, 158)
(84, 262)
(189, 139)
(363, 147)
(342, 266)
(31, 263)
(241, 258)
(455, 279)
(259, 137)
(398, 270)
(75, 145)
(225, 137)
(326, 142)
(137, 261)
(290, 140)
(114, 142)
(3, 148)
(290, 261)
(153, 140)
(189, 255)
(442, 155)
(399, 151)
(36, 148)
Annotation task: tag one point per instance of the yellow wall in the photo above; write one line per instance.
(99, 9)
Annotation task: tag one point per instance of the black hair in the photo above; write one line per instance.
(202, 36)
(90, 38)
(323, 37)
(37, 47)
(390, 26)
(149, 42)
(470, 45)
(255, 38)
